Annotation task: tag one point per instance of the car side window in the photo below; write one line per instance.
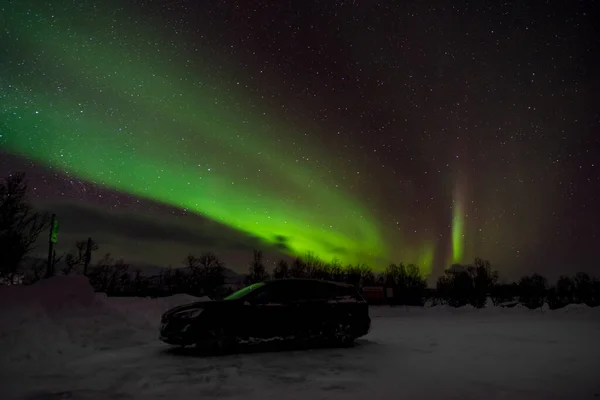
(341, 292)
(276, 292)
(312, 291)
(290, 291)
(285, 292)
(321, 291)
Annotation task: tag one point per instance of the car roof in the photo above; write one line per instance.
(345, 285)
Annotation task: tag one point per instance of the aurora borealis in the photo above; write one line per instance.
(296, 206)
(333, 129)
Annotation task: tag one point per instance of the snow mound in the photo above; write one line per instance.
(54, 294)
(145, 313)
(63, 316)
(576, 308)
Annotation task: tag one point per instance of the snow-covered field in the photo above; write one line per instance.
(59, 340)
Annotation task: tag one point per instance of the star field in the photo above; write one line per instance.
(370, 132)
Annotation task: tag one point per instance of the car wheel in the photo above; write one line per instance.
(221, 342)
(343, 337)
(346, 341)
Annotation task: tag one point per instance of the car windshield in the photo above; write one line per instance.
(243, 292)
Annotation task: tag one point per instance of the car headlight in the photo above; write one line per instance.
(188, 314)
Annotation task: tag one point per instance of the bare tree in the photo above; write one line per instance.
(336, 271)
(583, 292)
(137, 283)
(36, 271)
(258, 272)
(533, 290)
(282, 270)
(101, 275)
(77, 257)
(314, 267)
(20, 225)
(74, 259)
(298, 269)
(206, 272)
(56, 259)
(119, 277)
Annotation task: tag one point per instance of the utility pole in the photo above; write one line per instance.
(51, 241)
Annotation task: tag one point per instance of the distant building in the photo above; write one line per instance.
(373, 294)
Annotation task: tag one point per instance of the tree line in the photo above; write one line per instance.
(460, 285)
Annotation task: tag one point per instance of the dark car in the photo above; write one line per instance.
(300, 310)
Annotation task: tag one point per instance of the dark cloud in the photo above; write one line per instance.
(82, 220)
(140, 237)
(281, 243)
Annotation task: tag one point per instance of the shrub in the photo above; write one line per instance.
(532, 291)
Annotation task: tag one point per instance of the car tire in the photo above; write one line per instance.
(345, 341)
(342, 336)
(221, 342)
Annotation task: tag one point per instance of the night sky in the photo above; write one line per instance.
(426, 132)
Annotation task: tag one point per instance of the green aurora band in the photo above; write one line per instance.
(126, 105)
(124, 121)
(457, 232)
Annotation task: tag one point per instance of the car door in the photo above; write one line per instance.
(312, 309)
(270, 314)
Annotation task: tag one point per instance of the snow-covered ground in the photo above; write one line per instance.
(59, 340)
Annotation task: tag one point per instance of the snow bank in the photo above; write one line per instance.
(144, 313)
(63, 317)
(385, 311)
(59, 339)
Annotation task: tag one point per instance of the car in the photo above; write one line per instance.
(283, 310)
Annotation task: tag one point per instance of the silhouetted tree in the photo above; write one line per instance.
(214, 276)
(56, 259)
(138, 285)
(20, 225)
(442, 290)
(298, 269)
(408, 284)
(583, 290)
(179, 281)
(110, 276)
(505, 294)
(191, 262)
(392, 274)
(167, 284)
(100, 274)
(77, 257)
(206, 274)
(336, 271)
(119, 278)
(258, 272)
(358, 275)
(315, 268)
(565, 289)
(456, 287)
(562, 293)
(470, 284)
(282, 270)
(35, 271)
(484, 280)
(367, 276)
(70, 264)
(532, 291)
(353, 275)
(413, 285)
